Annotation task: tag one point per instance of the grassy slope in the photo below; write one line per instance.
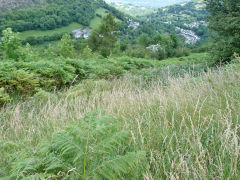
(188, 126)
(66, 29)
(96, 21)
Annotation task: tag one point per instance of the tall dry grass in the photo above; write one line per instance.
(189, 127)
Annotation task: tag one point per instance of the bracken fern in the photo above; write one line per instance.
(93, 148)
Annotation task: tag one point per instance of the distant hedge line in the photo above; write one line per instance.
(34, 40)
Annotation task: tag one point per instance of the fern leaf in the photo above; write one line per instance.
(112, 143)
(116, 167)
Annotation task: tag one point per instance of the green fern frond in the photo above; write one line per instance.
(119, 165)
(94, 148)
(112, 143)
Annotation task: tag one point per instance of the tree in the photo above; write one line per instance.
(10, 44)
(87, 52)
(104, 38)
(224, 20)
(66, 46)
(174, 40)
(144, 40)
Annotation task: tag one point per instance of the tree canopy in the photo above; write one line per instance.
(104, 38)
(224, 20)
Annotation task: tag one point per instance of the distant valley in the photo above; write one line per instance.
(151, 3)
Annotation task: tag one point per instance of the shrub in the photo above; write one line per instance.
(105, 52)
(19, 81)
(4, 97)
(87, 52)
(51, 73)
(43, 95)
(10, 44)
(66, 46)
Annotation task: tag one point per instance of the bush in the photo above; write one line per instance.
(18, 81)
(26, 76)
(105, 52)
(4, 97)
(10, 44)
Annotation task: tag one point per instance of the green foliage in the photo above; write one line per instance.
(144, 40)
(92, 148)
(104, 38)
(46, 20)
(166, 19)
(105, 52)
(224, 21)
(87, 53)
(48, 70)
(66, 46)
(4, 97)
(54, 14)
(17, 80)
(173, 120)
(10, 44)
(160, 46)
(36, 40)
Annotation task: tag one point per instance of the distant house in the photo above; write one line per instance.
(81, 33)
(133, 24)
(190, 36)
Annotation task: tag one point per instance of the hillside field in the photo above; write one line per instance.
(37, 33)
(176, 124)
(151, 96)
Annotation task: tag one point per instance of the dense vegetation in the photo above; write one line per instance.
(109, 107)
(26, 70)
(54, 14)
(160, 128)
(224, 20)
(180, 15)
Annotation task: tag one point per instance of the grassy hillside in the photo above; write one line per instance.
(130, 102)
(176, 127)
(188, 19)
(97, 20)
(37, 33)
